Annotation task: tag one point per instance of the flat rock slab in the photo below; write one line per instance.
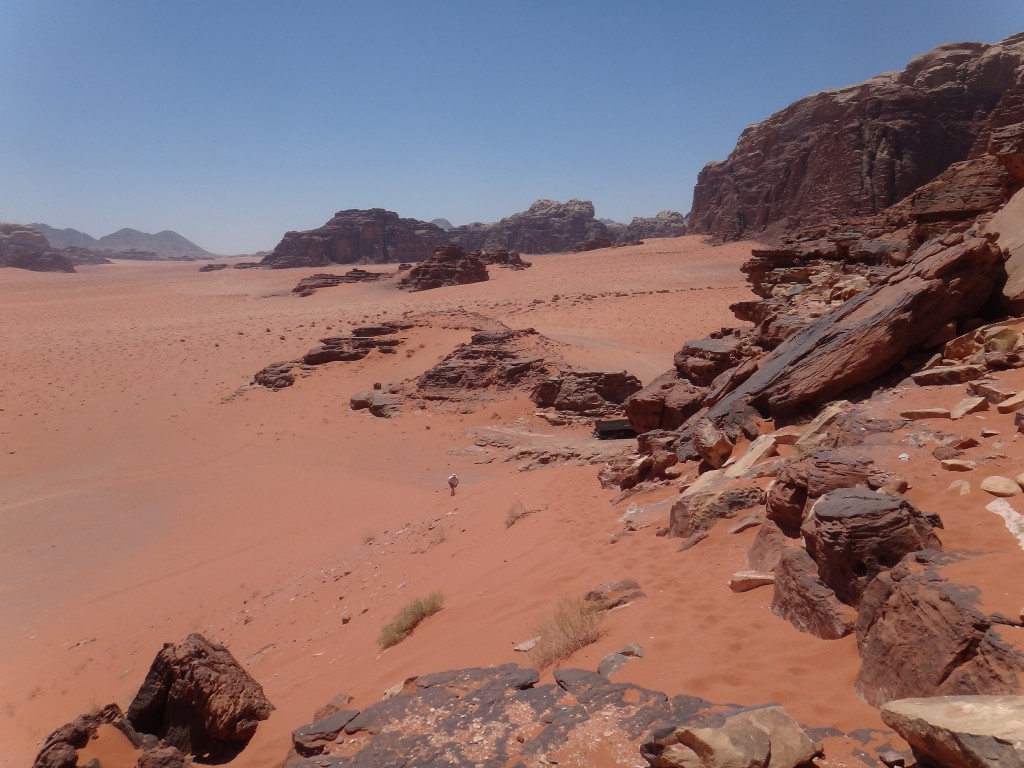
(1000, 486)
(968, 731)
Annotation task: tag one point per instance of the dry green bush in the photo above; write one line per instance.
(574, 624)
(400, 627)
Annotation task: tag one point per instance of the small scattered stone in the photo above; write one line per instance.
(744, 581)
(958, 465)
(916, 414)
(989, 432)
(969, 405)
(1000, 486)
(1011, 404)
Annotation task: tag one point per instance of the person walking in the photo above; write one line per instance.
(453, 481)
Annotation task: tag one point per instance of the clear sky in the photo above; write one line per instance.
(233, 121)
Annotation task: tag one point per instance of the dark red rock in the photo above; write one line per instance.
(502, 360)
(307, 286)
(503, 258)
(22, 247)
(869, 334)
(60, 749)
(373, 236)
(920, 634)
(663, 224)
(593, 244)
(449, 265)
(276, 375)
(212, 267)
(197, 698)
(802, 599)
(586, 392)
(547, 227)
(853, 534)
(665, 403)
(854, 151)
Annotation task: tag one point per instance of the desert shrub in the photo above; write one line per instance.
(574, 624)
(400, 627)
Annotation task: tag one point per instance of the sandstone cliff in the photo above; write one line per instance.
(25, 248)
(546, 227)
(854, 151)
(355, 236)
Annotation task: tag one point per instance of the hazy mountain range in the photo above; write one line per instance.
(165, 244)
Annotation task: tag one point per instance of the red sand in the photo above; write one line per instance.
(138, 505)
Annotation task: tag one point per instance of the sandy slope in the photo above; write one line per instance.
(139, 501)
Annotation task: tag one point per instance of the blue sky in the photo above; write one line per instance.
(232, 122)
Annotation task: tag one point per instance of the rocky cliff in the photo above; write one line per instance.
(857, 150)
(546, 227)
(355, 236)
(25, 248)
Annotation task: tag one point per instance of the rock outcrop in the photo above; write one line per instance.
(585, 392)
(24, 248)
(547, 226)
(449, 265)
(354, 236)
(307, 286)
(501, 360)
(501, 716)
(664, 224)
(961, 731)
(921, 634)
(857, 150)
(198, 699)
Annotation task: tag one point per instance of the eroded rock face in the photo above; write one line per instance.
(586, 392)
(501, 360)
(920, 634)
(24, 248)
(853, 534)
(60, 749)
(665, 403)
(805, 601)
(373, 236)
(945, 280)
(664, 224)
(857, 150)
(448, 265)
(961, 731)
(547, 226)
(198, 699)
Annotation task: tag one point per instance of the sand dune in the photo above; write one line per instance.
(142, 496)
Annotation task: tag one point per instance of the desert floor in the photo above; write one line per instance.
(146, 493)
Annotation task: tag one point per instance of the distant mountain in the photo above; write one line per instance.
(442, 223)
(65, 238)
(166, 244)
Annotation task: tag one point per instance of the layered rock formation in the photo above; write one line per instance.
(448, 265)
(25, 248)
(857, 150)
(354, 236)
(502, 716)
(547, 226)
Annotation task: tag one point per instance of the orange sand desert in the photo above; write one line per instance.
(146, 493)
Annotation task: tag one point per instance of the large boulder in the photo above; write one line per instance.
(373, 236)
(961, 731)
(920, 634)
(665, 403)
(25, 248)
(664, 224)
(803, 599)
(854, 151)
(853, 534)
(197, 698)
(546, 227)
